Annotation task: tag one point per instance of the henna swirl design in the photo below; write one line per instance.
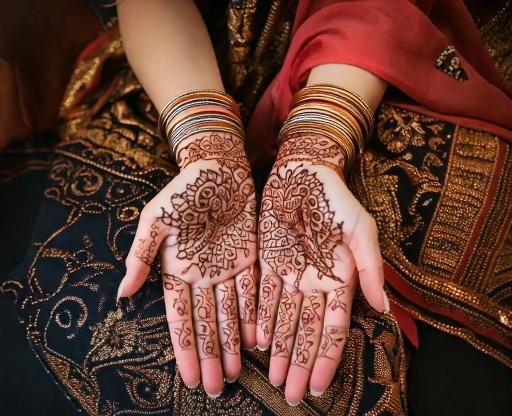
(230, 338)
(205, 323)
(332, 341)
(181, 326)
(314, 149)
(297, 227)
(247, 288)
(308, 322)
(268, 294)
(215, 219)
(284, 332)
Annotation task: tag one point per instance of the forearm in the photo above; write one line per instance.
(360, 81)
(168, 47)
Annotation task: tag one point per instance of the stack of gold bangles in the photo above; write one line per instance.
(333, 112)
(198, 111)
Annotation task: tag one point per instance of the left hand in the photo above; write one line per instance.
(313, 235)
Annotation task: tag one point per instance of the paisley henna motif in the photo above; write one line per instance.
(297, 227)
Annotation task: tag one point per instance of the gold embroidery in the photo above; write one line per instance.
(449, 62)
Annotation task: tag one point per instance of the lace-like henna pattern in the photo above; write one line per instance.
(284, 333)
(332, 341)
(338, 302)
(308, 323)
(268, 294)
(215, 219)
(297, 228)
(229, 334)
(219, 146)
(205, 324)
(146, 248)
(316, 150)
(247, 288)
(181, 327)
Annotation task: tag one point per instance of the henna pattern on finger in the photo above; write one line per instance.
(297, 227)
(215, 219)
(314, 149)
(284, 333)
(337, 302)
(228, 325)
(267, 297)
(147, 247)
(181, 326)
(332, 341)
(309, 321)
(247, 289)
(205, 324)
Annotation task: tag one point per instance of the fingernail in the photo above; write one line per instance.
(214, 396)
(120, 290)
(231, 380)
(386, 301)
(292, 404)
(262, 348)
(193, 387)
(315, 393)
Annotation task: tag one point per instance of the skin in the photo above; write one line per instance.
(210, 286)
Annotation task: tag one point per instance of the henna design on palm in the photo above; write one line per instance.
(215, 219)
(268, 294)
(297, 227)
(308, 322)
(284, 332)
(332, 341)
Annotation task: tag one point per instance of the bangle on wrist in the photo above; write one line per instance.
(198, 111)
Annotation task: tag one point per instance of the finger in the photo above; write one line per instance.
(229, 333)
(284, 334)
(205, 328)
(270, 290)
(364, 245)
(179, 316)
(306, 346)
(334, 336)
(149, 236)
(247, 291)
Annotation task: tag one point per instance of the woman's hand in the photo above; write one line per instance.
(203, 224)
(313, 236)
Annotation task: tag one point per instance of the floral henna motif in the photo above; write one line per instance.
(332, 341)
(268, 294)
(284, 332)
(222, 147)
(316, 150)
(297, 227)
(215, 219)
(230, 338)
(309, 320)
(247, 289)
(205, 323)
(181, 325)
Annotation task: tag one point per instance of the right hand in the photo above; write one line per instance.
(203, 223)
